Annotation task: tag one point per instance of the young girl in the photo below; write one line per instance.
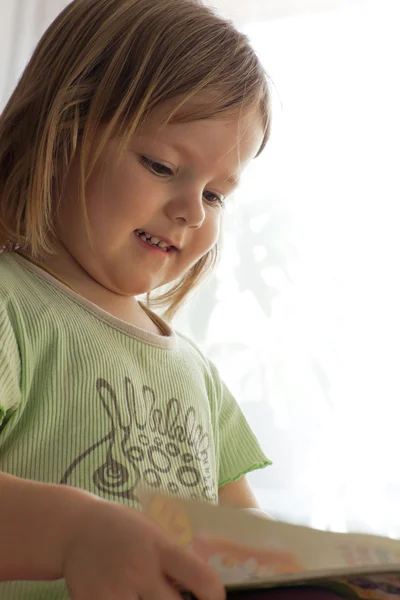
(119, 147)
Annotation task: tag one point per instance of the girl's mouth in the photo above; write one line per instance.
(153, 242)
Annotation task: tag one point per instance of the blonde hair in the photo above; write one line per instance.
(111, 62)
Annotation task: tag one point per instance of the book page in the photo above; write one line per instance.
(249, 550)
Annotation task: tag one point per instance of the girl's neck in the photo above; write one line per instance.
(66, 269)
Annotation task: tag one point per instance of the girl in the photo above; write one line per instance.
(119, 147)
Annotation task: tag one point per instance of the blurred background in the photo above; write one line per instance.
(302, 315)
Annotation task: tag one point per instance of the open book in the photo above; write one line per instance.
(248, 550)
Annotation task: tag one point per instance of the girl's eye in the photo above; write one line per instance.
(214, 198)
(155, 167)
(162, 171)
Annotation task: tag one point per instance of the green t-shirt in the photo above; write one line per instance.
(91, 401)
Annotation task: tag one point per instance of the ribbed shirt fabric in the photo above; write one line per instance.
(91, 401)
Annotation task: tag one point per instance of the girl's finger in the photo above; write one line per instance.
(192, 573)
(160, 591)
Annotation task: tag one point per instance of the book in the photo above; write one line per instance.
(251, 552)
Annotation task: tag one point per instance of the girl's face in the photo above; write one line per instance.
(170, 186)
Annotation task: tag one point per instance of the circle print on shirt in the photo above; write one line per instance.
(162, 458)
(164, 448)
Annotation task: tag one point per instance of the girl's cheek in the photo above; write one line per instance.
(125, 177)
(115, 176)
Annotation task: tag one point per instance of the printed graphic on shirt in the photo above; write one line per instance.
(147, 445)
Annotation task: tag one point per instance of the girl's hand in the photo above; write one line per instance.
(117, 553)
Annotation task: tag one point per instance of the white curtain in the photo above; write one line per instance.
(22, 22)
(302, 316)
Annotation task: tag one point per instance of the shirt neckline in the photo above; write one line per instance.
(167, 341)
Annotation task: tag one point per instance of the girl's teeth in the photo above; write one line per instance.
(146, 237)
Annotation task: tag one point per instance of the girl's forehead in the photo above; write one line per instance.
(233, 133)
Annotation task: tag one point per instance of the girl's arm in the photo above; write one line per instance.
(238, 493)
(37, 521)
(103, 549)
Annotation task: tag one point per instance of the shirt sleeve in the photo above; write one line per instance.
(10, 368)
(239, 450)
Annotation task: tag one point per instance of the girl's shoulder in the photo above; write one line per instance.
(19, 285)
(205, 363)
(11, 273)
(14, 274)
(193, 348)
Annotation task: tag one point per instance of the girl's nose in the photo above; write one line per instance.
(188, 208)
